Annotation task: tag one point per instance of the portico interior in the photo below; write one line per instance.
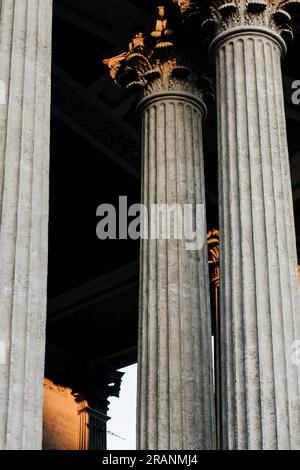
(93, 285)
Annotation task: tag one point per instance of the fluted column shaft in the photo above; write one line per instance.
(175, 409)
(25, 45)
(259, 289)
(175, 390)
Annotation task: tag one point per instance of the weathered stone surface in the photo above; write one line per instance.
(175, 406)
(259, 288)
(25, 49)
(61, 421)
(175, 385)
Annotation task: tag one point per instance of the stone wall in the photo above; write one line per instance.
(61, 422)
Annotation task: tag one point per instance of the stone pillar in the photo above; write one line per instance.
(93, 389)
(260, 312)
(175, 377)
(175, 394)
(81, 427)
(93, 426)
(25, 45)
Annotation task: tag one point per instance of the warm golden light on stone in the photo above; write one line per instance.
(61, 419)
(155, 63)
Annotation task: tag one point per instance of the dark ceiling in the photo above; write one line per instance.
(95, 158)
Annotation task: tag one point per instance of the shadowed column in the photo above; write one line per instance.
(25, 58)
(175, 391)
(260, 315)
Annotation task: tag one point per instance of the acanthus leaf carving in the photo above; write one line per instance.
(159, 61)
(217, 16)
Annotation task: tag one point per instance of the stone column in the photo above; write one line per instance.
(175, 377)
(25, 45)
(95, 386)
(260, 312)
(93, 427)
(175, 394)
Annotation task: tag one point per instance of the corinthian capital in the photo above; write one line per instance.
(220, 15)
(160, 61)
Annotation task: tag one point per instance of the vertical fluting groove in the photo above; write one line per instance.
(220, 92)
(188, 291)
(173, 292)
(172, 277)
(40, 188)
(166, 314)
(186, 312)
(37, 278)
(16, 374)
(7, 19)
(198, 294)
(28, 411)
(289, 208)
(202, 297)
(258, 230)
(162, 287)
(180, 321)
(26, 194)
(280, 332)
(157, 348)
(289, 325)
(278, 307)
(25, 50)
(152, 302)
(268, 442)
(182, 262)
(34, 411)
(144, 307)
(145, 312)
(190, 295)
(228, 293)
(231, 139)
(142, 346)
(235, 142)
(276, 298)
(291, 241)
(6, 41)
(178, 198)
(248, 309)
(221, 174)
(267, 383)
(198, 263)
(252, 352)
(185, 188)
(237, 263)
(204, 418)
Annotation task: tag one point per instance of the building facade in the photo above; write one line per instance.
(214, 85)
